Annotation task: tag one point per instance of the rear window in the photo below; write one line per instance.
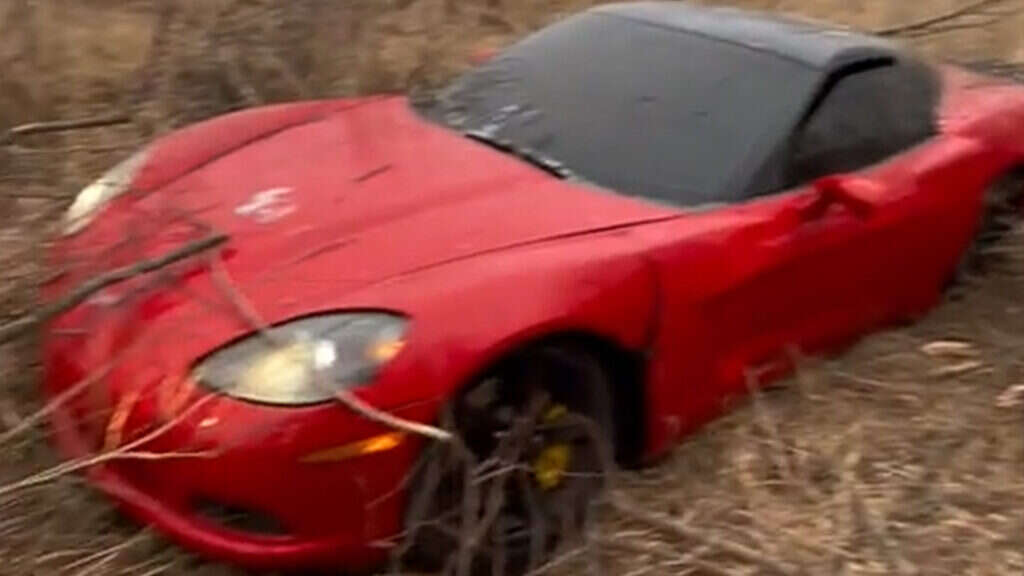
(867, 115)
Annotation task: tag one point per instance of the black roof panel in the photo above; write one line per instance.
(810, 43)
(642, 109)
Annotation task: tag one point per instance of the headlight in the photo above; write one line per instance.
(305, 361)
(95, 196)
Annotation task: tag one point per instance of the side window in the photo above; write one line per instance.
(868, 115)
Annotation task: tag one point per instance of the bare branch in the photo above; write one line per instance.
(121, 147)
(58, 401)
(91, 559)
(357, 405)
(17, 327)
(507, 451)
(966, 10)
(557, 561)
(63, 126)
(234, 75)
(127, 452)
(239, 301)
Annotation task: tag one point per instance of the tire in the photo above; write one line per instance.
(1002, 203)
(540, 505)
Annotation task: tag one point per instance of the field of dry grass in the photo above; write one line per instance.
(903, 456)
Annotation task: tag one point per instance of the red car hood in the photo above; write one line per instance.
(348, 194)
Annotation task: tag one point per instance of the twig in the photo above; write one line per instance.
(82, 149)
(877, 530)
(420, 501)
(755, 557)
(508, 450)
(16, 328)
(9, 417)
(67, 468)
(141, 567)
(958, 369)
(57, 555)
(945, 17)
(245, 89)
(71, 392)
(399, 487)
(357, 405)
(630, 547)
(58, 401)
(1011, 397)
(798, 539)
(239, 301)
(111, 550)
(155, 75)
(557, 561)
(779, 450)
(19, 195)
(871, 382)
(953, 27)
(284, 72)
(126, 452)
(63, 125)
(538, 535)
(159, 569)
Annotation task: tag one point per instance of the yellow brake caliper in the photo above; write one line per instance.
(552, 463)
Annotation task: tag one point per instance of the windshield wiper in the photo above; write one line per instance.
(549, 165)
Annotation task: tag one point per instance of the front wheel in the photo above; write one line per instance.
(534, 449)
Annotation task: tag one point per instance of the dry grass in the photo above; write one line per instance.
(894, 458)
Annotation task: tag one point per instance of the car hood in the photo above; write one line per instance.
(347, 195)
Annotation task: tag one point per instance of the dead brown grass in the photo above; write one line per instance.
(900, 457)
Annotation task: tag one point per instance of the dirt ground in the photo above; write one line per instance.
(903, 456)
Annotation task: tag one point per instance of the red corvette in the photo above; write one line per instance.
(627, 214)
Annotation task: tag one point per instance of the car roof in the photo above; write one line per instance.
(810, 43)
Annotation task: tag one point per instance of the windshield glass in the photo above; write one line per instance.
(634, 107)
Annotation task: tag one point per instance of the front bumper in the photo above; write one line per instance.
(244, 459)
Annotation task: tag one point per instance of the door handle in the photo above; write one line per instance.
(854, 194)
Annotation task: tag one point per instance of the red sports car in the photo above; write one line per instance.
(627, 214)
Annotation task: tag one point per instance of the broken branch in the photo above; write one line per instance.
(945, 17)
(127, 452)
(357, 405)
(63, 126)
(57, 402)
(90, 287)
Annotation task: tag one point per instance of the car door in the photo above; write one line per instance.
(848, 162)
(874, 138)
(801, 269)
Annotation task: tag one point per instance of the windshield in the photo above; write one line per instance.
(634, 107)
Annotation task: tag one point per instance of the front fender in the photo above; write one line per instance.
(468, 314)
